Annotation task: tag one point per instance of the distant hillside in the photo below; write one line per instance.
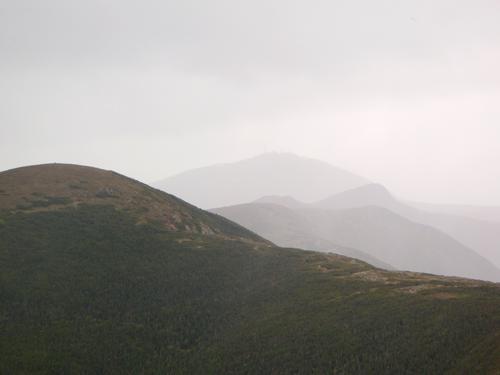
(289, 228)
(481, 236)
(102, 274)
(381, 234)
(405, 244)
(269, 174)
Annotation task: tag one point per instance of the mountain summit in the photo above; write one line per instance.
(50, 187)
(286, 174)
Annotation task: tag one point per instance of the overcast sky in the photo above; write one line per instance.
(406, 93)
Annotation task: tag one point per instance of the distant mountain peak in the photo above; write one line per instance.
(283, 174)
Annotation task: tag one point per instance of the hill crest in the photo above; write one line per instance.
(56, 186)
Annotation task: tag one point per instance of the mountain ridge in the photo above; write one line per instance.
(266, 174)
(379, 232)
(295, 231)
(481, 236)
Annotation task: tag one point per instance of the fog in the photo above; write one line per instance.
(403, 93)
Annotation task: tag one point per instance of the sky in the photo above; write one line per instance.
(405, 93)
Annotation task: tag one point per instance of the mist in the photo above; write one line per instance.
(402, 93)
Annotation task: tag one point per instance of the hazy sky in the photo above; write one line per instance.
(406, 93)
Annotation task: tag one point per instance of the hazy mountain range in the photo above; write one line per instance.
(480, 235)
(389, 239)
(275, 173)
(306, 185)
(291, 228)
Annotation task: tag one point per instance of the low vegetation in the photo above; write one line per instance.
(89, 290)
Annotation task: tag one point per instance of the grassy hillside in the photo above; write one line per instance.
(51, 187)
(89, 288)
